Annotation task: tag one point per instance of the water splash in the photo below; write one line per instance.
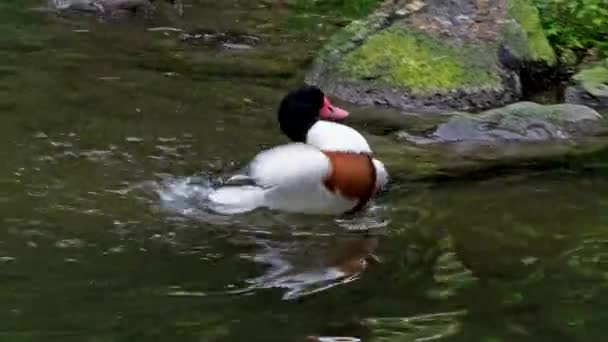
(184, 195)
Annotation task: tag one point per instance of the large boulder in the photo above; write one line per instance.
(591, 86)
(433, 55)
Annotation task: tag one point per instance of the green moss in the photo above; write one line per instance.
(346, 39)
(343, 38)
(418, 62)
(537, 47)
(594, 79)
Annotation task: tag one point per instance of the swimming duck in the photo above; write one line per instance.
(327, 169)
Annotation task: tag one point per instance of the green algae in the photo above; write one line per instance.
(419, 62)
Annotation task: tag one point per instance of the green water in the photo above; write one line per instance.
(94, 123)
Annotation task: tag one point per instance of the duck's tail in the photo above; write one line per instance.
(231, 200)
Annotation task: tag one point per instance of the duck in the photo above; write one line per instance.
(327, 168)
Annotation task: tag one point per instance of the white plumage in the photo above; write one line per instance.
(289, 178)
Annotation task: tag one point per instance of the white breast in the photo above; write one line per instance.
(331, 136)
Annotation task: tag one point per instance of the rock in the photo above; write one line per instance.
(434, 55)
(520, 136)
(75, 5)
(233, 46)
(98, 5)
(228, 40)
(106, 8)
(591, 87)
(523, 121)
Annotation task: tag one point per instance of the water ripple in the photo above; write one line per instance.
(428, 327)
(291, 267)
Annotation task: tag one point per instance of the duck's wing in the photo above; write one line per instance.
(286, 169)
(290, 166)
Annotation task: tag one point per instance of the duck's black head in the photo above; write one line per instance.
(301, 108)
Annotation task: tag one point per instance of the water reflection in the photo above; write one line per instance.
(306, 267)
(429, 327)
(300, 254)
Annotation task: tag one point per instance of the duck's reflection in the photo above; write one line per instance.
(306, 268)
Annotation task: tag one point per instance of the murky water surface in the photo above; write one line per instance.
(112, 132)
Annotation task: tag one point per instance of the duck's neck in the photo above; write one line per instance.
(335, 137)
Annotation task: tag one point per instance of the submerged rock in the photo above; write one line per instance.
(112, 8)
(229, 40)
(75, 5)
(98, 5)
(591, 87)
(434, 55)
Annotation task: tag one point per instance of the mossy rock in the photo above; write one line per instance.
(433, 55)
(418, 62)
(591, 86)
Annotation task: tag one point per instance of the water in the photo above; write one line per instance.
(111, 134)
